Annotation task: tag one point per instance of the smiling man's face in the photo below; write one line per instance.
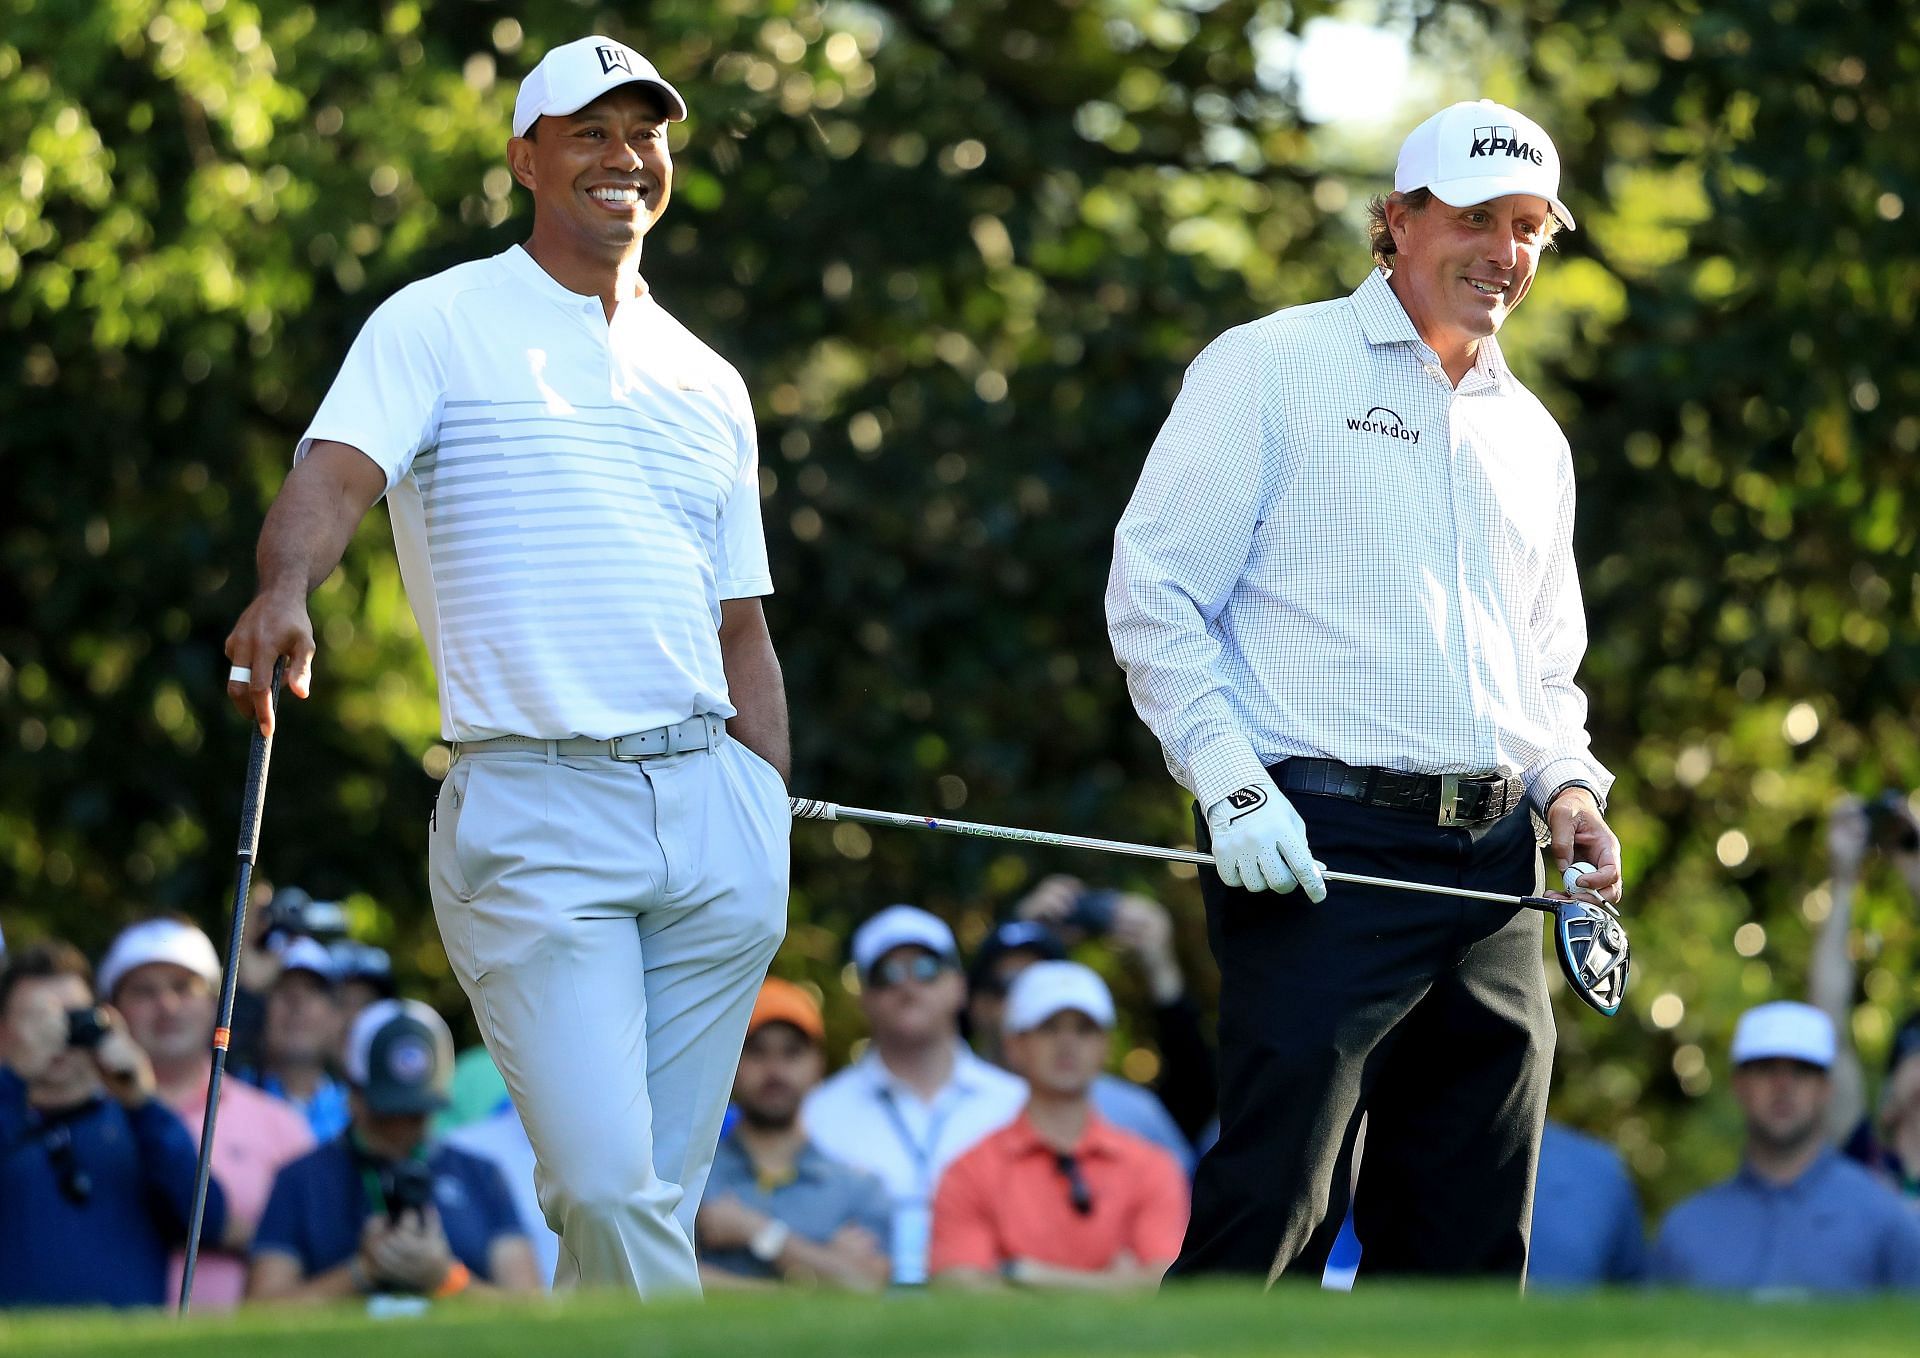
(602, 175)
(1460, 271)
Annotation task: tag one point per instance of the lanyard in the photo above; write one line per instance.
(921, 1153)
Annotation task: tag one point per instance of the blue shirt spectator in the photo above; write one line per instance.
(325, 1109)
(95, 1192)
(320, 1201)
(93, 1202)
(1587, 1229)
(822, 1196)
(1834, 1229)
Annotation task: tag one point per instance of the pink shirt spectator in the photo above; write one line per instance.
(256, 1134)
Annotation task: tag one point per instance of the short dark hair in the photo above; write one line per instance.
(1380, 235)
(43, 962)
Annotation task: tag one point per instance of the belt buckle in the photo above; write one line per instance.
(614, 752)
(1449, 799)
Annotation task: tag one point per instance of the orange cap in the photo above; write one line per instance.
(784, 1002)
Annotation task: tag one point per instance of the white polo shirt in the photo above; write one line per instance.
(865, 1117)
(1335, 552)
(571, 498)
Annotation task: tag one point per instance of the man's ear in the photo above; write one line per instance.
(520, 161)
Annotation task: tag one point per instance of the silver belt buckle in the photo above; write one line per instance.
(1449, 799)
(615, 748)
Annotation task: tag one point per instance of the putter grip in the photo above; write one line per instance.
(805, 808)
(253, 799)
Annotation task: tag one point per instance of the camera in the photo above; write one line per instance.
(86, 1028)
(293, 913)
(409, 1188)
(1891, 823)
(1093, 911)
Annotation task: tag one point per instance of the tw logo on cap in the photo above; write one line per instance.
(615, 59)
(1498, 141)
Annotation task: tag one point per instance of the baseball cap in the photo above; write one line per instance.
(784, 1002)
(400, 1057)
(1048, 988)
(1784, 1029)
(573, 75)
(158, 940)
(1010, 936)
(307, 954)
(1470, 152)
(354, 961)
(900, 926)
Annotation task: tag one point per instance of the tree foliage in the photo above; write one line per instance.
(962, 251)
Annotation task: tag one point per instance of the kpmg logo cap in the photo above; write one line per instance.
(1470, 153)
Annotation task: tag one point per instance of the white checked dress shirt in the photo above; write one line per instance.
(1333, 552)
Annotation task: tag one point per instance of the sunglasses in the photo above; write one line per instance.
(76, 1185)
(899, 970)
(1077, 1191)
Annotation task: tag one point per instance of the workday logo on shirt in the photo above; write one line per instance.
(1385, 423)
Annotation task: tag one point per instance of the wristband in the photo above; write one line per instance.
(1592, 791)
(456, 1281)
(768, 1241)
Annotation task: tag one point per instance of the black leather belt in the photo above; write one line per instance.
(1449, 798)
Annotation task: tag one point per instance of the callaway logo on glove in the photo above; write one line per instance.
(1260, 843)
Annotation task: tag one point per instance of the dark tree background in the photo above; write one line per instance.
(962, 251)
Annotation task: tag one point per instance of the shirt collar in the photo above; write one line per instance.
(1808, 1177)
(1097, 1139)
(969, 1073)
(1384, 321)
(526, 268)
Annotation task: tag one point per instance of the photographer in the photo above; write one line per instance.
(1140, 930)
(96, 1185)
(1889, 1142)
(381, 1209)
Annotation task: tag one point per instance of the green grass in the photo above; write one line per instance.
(1394, 1322)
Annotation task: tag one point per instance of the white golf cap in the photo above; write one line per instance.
(400, 1057)
(158, 940)
(573, 75)
(1784, 1029)
(1470, 153)
(1048, 988)
(901, 926)
(308, 954)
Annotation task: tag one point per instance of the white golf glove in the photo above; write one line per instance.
(1260, 843)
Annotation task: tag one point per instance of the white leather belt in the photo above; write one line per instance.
(695, 733)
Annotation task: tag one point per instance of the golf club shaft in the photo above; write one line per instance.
(804, 809)
(252, 802)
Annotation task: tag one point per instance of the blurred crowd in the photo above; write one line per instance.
(981, 1137)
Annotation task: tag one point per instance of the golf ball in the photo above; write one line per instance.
(1573, 875)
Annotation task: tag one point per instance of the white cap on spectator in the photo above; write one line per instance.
(309, 954)
(1473, 152)
(1785, 1029)
(901, 926)
(1048, 988)
(573, 75)
(158, 940)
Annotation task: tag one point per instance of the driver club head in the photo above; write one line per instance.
(1594, 954)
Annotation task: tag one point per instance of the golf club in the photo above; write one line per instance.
(253, 801)
(1589, 939)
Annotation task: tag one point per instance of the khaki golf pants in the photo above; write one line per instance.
(611, 923)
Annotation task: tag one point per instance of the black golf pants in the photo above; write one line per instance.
(1430, 1015)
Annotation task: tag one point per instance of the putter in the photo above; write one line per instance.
(1588, 937)
(252, 801)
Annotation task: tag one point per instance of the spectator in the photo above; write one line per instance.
(381, 1208)
(1888, 1142)
(1016, 945)
(162, 975)
(302, 1036)
(1587, 1229)
(96, 1183)
(1798, 1217)
(918, 1097)
(1059, 1198)
(776, 1206)
(364, 974)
